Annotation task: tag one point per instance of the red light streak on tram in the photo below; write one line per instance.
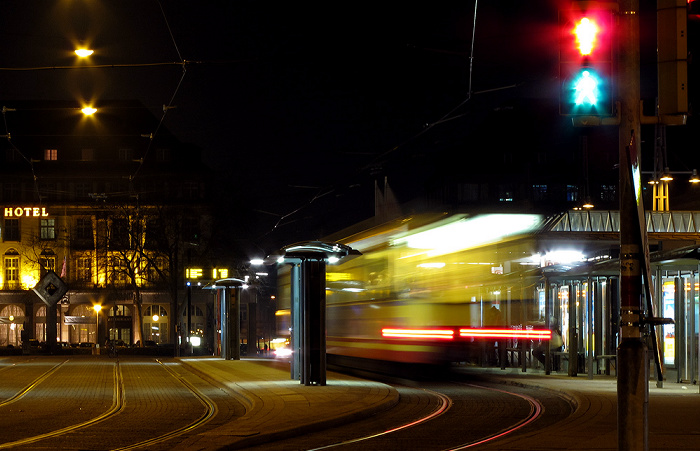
(442, 334)
(533, 334)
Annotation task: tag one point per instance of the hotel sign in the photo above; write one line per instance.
(26, 212)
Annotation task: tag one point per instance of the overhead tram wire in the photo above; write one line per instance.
(5, 110)
(172, 98)
(445, 118)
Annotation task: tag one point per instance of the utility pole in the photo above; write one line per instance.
(632, 362)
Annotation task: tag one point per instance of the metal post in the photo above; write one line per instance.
(691, 329)
(225, 326)
(296, 308)
(573, 332)
(589, 325)
(547, 314)
(230, 317)
(633, 366)
(314, 322)
(308, 305)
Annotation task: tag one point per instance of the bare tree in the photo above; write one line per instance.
(146, 246)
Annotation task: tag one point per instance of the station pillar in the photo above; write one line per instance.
(230, 314)
(308, 262)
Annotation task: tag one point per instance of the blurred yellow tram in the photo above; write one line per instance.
(427, 288)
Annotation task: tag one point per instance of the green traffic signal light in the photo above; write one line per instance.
(586, 89)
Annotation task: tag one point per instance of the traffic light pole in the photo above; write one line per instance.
(632, 363)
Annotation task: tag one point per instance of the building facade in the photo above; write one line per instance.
(115, 212)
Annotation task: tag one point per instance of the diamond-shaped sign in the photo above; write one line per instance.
(50, 288)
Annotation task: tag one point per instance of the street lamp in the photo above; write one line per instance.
(97, 308)
(84, 53)
(660, 187)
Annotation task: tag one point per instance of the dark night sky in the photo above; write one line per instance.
(291, 100)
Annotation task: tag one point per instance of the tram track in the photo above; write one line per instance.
(444, 404)
(536, 410)
(431, 421)
(118, 405)
(210, 411)
(31, 386)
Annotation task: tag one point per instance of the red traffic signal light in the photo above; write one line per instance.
(586, 62)
(586, 32)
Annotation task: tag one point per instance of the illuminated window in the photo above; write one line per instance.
(119, 272)
(50, 154)
(155, 324)
(11, 231)
(159, 266)
(120, 310)
(11, 263)
(155, 310)
(572, 193)
(48, 229)
(47, 260)
(84, 269)
(608, 193)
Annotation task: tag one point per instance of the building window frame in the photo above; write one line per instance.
(47, 228)
(50, 154)
(11, 265)
(12, 230)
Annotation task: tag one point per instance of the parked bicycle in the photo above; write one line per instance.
(112, 349)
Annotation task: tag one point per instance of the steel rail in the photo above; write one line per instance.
(32, 385)
(536, 410)
(444, 406)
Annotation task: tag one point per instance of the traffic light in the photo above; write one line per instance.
(586, 62)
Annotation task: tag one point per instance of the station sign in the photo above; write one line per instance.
(26, 212)
(206, 273)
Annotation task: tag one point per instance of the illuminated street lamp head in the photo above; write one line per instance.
(88, 110)
(84, 53)
(155, 318)
(97, 307)
(694, 177)
(666, 176)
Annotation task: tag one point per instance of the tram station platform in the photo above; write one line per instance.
(278, 407)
